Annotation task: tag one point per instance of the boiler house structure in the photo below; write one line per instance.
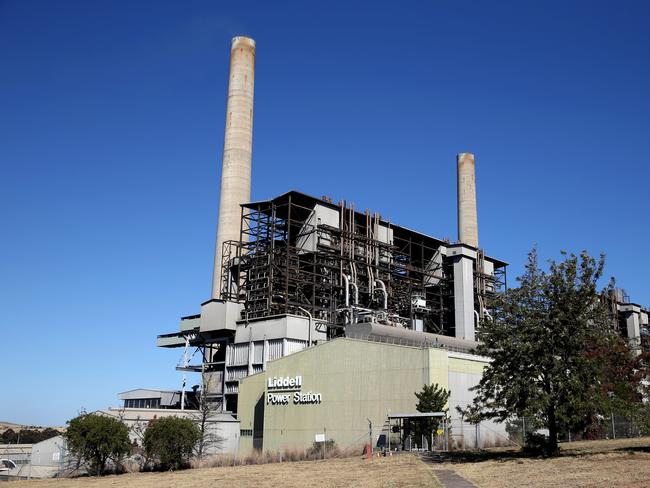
(324, 319)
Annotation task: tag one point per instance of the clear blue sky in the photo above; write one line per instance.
(111, 130)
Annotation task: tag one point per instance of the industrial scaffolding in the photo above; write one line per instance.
(362, 269)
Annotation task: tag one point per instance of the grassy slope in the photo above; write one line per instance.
(623, 463)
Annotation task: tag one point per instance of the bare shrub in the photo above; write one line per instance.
(131, 465)
(215, 461)
(289, 454)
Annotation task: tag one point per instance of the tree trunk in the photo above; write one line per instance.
(552, 448)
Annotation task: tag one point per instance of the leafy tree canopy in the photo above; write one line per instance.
(96, 439)
(432, 398)
(28, 436)
(556, 357)
(170, 441)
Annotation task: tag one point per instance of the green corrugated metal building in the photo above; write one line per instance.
(350, 382)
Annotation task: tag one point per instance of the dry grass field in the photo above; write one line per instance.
(622, 463)
(394, 472)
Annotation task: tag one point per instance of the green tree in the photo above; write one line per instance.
(96, 439)
(547, 343)
(9, 437)
(170, 441)
(432, 398)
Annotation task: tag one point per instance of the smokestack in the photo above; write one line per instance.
(237, 149)
(467, 215)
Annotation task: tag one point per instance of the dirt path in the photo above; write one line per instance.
(449, 479)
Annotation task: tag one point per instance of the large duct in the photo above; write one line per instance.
(237, 149)
(398, 335)
(467, 215)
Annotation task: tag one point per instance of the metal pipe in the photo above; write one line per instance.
(356, 293)
(311, 321)
(382, 287)
(347, 290)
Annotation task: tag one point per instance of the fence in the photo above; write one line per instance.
(613, 426)
(44, 459)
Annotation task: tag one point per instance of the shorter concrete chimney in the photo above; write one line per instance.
(467, 214)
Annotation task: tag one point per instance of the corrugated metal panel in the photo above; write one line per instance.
(308, 236)
(238, 354)
(190, 323)
(236, 373)
(232, 388)
(275, 349)
(258, 352)
(257, 368)
(294, 345)
(168, 398)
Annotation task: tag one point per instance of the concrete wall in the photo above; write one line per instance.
(464, 298)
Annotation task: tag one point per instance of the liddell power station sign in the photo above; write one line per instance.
(284, 389)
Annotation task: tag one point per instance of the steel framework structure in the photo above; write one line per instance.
(363, 269)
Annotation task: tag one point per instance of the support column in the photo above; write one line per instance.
(265, 355)
(251, 352)
(464, 297)
(634, 331)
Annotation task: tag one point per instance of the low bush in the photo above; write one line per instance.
(169, 442)
(98, 442)
(537, 444)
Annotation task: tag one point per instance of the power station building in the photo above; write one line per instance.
(324, 318)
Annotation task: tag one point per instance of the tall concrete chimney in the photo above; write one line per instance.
(467, 215)
(237, 149)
